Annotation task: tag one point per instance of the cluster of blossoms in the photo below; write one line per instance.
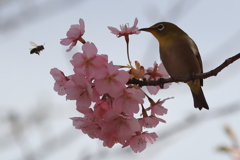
(109, 105)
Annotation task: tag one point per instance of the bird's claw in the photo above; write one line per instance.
(161, 83)
(192, 77)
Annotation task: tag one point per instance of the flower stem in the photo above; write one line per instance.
(81, 40)
(127, 42)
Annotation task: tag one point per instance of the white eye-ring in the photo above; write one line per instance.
(160, 27)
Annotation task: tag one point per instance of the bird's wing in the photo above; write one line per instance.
(196, 52)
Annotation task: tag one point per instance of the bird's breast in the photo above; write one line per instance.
(179, 58)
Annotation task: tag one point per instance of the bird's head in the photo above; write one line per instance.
(163, 30)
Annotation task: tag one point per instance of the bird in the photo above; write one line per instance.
(180, 57)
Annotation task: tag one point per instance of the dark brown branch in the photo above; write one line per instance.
(205, 75)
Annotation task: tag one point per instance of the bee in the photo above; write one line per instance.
(37, 48)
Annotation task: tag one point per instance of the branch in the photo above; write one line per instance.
(162, 81)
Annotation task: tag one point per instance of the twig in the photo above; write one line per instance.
(162, 81)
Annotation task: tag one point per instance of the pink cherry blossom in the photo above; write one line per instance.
(128, 102)
(89, 61)
(60, 80)
(124, 126)
(125, 29)
(110, 139)
(111, 80)
(100, 108)
(88, 125)
(80, 89)
(139, 142)
(158, 71)
(150, 121)
(74, 34)
(157, 108)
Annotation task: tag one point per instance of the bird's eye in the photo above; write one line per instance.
(160, 27)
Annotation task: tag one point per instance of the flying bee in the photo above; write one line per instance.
(37, 48)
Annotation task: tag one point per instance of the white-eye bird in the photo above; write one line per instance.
(180, 57)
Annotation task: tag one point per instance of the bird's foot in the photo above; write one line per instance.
(161, 83)
(192, 77)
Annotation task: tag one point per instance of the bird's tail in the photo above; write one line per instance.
(199, 100)
(198, 96)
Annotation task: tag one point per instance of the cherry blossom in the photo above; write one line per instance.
(157, 108)
(88, 61)
(124, 126)
(125, 30)
(100, 108)
(80, 89)
(110, 139)
(128, 102)
(150, 121)
(110, 80)
(74, 34)
(88, 125)
(158, 71)
(60, 80)
(139, 142)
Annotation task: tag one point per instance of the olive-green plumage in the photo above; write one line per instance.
(180, 57)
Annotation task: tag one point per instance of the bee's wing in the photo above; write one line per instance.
(33, 44)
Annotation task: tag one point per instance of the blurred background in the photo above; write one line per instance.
(34, 120)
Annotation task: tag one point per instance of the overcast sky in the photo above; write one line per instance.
(26, 84)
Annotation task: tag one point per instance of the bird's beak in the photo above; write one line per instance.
(146, 29)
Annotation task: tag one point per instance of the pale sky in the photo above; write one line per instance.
(27, 85)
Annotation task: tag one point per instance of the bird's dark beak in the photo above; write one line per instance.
(146, 29)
